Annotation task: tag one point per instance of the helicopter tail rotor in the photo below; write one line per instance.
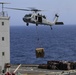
(58, 23)
(56, 18)
(56, 15)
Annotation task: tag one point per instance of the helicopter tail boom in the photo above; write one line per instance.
(56, 19)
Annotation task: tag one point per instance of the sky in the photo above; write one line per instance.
(66, 10)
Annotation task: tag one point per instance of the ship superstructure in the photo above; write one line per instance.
(4, 39)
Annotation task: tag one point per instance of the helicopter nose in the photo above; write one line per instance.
(24, 19)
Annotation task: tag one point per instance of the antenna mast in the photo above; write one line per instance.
(3, 7)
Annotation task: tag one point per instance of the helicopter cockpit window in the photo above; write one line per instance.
(28, 15)
(44, 16)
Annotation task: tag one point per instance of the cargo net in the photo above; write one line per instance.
(58, 65)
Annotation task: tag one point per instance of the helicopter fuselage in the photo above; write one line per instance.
(36, 19)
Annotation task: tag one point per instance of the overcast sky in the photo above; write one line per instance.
(65, 8)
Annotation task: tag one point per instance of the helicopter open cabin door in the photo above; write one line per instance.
(40, 19)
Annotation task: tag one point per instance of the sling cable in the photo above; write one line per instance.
(39, 50)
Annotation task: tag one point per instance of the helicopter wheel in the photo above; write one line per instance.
(51, 27)
(27, 24)
(36, 24)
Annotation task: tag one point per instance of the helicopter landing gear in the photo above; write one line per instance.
(36, 24)
(27, 24)
(51, 27)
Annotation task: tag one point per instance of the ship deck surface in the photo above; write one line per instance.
(34, 70)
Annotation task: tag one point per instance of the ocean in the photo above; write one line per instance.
(58, 44)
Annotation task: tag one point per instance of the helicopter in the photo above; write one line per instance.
(36, 18)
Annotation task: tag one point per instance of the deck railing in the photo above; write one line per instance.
(3, 14)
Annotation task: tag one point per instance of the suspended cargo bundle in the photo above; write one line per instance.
(39, 52)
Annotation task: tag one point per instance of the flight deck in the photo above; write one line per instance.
(34, 70)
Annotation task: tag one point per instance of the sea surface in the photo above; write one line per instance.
(58, 44)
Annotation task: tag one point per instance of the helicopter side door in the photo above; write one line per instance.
(40, 19)
(36, 18)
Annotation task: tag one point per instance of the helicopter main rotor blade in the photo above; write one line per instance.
(4, 3)
(17, 9)
(31, 9)
(34, 9)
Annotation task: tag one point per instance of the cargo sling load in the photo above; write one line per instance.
(39, 52)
